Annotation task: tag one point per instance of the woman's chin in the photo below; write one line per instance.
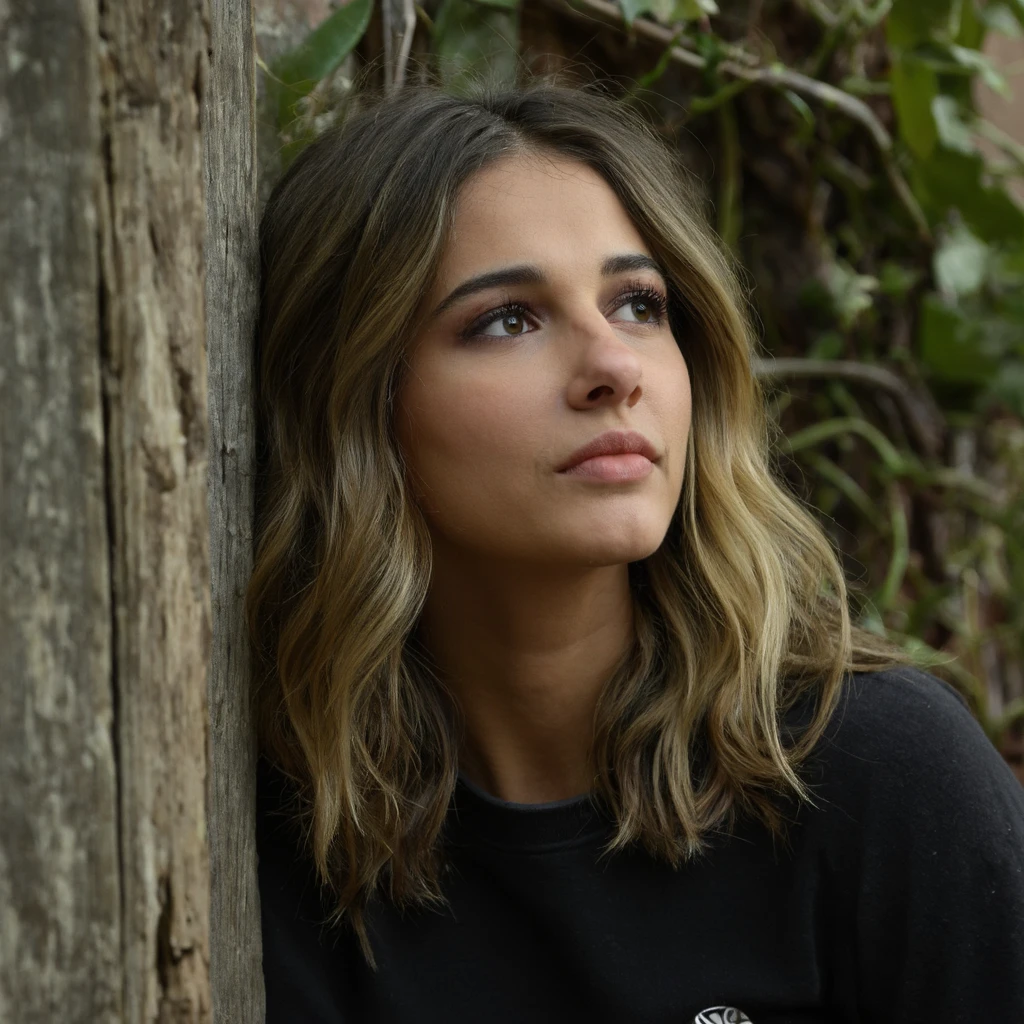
(610, 548)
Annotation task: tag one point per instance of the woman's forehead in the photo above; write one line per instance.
(515, 185)
(535, 208)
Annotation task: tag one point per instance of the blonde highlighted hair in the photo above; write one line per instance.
(742, 611)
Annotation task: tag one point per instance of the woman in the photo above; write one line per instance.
(562, 714)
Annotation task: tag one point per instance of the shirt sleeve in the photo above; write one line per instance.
(933, 857)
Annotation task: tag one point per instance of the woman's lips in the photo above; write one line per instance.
(621, 468)
(615, 444)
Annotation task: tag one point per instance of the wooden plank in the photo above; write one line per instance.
(231, 296)
(152, 228)
(60, 930)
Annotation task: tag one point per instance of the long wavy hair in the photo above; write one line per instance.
(741, 611)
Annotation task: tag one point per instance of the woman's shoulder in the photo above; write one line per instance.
(902, 748)
(919, 825)
(904, 717)
(900, 713)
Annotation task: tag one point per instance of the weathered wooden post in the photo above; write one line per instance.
(106, 644)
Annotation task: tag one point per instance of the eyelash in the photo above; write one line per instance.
(633, 291)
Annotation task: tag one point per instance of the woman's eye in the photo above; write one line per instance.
(508, 326)
(512, 320)
(639, 310)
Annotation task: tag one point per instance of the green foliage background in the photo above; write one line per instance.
(884, 255)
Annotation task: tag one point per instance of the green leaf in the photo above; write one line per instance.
(949, 345)
(960, 264)
(946, 180)
(914, 86)
(999, 18)
(994, 215)
(693, 10)
(850, 291)
(953, 132)
(953, 180)
(978, 62)
(972, 28)
(914, 21)
(895, 280)
(827, 345)
(663, 10)
(712, 48)
(1006, 271)
(632, 9)
(295, 74)
(1008, 385)
(473, 41)
(871, 620)
(799, 104)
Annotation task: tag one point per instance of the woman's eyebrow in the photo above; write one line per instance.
(527, 273)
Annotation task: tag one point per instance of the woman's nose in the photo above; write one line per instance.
(608, 369)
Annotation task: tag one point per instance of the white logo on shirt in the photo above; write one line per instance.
(722, 1015)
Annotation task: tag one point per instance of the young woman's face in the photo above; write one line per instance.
(544, 330)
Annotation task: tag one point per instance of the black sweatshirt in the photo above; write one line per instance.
(899, 898)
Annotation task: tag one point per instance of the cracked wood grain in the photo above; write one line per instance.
(231, 301)
(60, 924)
(153, 56)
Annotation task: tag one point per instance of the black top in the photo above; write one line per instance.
(899, 898)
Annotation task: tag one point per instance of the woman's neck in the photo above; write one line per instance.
(527, 652)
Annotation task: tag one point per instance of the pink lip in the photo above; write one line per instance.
(613, 469)
(616, 455)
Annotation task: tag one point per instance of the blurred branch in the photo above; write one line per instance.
(822, 12)
(852, 10)
(777, 76)
(399, 24)
(730, 177)
(894, 462)
(425, 20)
(900, 555)
(845, 484)
(927, 434)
